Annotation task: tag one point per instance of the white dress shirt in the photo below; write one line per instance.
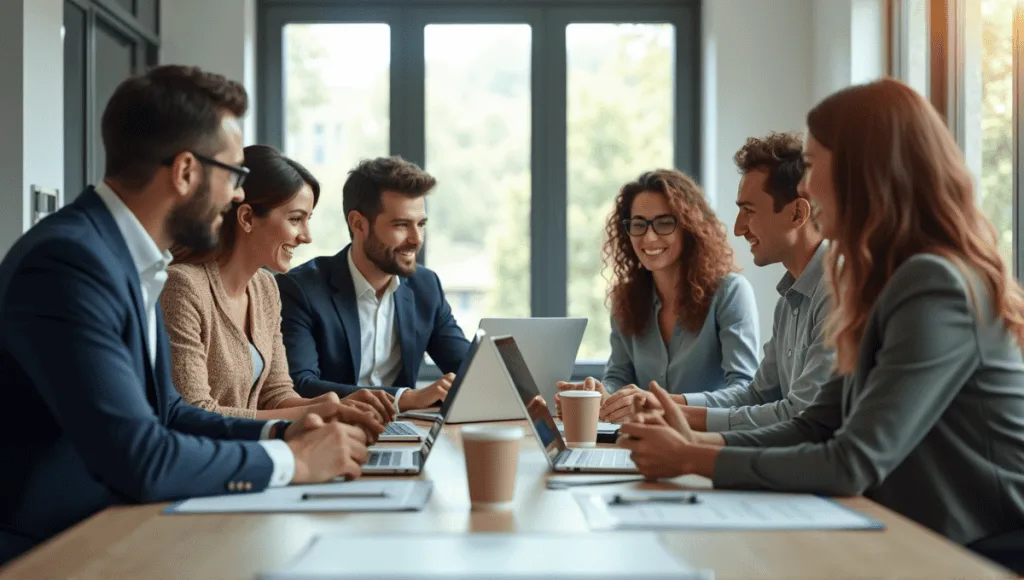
(380, 358)
(151, 265)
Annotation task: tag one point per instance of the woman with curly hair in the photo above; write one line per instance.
(681, 316)
(927, 417)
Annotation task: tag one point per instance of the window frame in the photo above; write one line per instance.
(114, 17)
(948, 55)
(548, 20)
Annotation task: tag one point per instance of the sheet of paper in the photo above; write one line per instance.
(386, 495)
(720, 510)
(499, 555)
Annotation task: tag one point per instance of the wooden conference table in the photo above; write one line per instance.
(140, 542)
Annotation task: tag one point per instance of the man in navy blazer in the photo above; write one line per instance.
(92, 417)
(365, 316)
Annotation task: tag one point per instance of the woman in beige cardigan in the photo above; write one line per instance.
(223, 311)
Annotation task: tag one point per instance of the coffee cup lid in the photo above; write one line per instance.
(579, 394)
(492, 433)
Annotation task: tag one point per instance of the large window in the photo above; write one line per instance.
(336, 84)
(530, 113)
(477, 90)
(991, 95)
(619, 85)
(105, 42)
(965, 56)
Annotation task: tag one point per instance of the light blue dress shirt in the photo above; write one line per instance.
(721, 354)
(796, 361)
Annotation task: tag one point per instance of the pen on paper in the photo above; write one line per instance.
(345, 495)
(619, 499)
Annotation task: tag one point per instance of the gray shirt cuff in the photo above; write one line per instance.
(696, 400)
(718, 419)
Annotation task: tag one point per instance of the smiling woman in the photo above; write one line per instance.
(681, 316)
(222, 308)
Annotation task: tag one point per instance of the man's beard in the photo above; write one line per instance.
(384, 257)
(191, 224)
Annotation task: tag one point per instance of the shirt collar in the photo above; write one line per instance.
(146, 255)
(362, 286)
(808, 280)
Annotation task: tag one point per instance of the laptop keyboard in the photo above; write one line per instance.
(385, 458)
(395, 429)
(608, 458)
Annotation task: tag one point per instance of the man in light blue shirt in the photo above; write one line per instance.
(780, 227)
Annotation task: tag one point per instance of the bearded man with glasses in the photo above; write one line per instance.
(96, 420)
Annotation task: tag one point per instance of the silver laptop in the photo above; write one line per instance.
(549, 346)
(398, 460)
(401, 432)
(535, 408)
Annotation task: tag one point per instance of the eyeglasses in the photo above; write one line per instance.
(663, 225)
(238, 173)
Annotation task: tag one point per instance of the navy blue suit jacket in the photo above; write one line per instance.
(320, 324)
(89, 423)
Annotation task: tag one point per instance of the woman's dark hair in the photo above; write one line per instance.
(273, 181)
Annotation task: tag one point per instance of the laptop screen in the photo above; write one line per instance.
(536, 409)
(435, 429)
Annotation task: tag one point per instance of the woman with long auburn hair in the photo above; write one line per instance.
(681, 316)
(927, 415)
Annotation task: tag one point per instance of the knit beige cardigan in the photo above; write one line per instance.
(211, 363)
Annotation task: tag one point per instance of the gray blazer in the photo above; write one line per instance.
(722, 353)
(930, 424)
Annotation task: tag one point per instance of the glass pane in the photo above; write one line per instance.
(75, 176)
(336, 87)
(117, 53)
(917, 45)
(620, 113)
(146, 12)
(996, 176)
(478, 147)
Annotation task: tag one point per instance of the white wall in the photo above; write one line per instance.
(758, 75)
(31, 108)
(766, 63)
(219, 37)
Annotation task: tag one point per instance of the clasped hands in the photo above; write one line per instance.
(655, 430)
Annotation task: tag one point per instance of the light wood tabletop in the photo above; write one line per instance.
(141, 542)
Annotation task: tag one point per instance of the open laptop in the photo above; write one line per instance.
(400, 432)
(549, 346)
(398, 460)
(539, 417)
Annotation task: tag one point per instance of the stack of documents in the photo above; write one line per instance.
(718, 510)
(503, 556)
(365, 496)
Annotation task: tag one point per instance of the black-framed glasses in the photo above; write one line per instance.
(663, 225)
(238, 173)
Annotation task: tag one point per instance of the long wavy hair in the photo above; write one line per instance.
(901, 188)
(706, 258)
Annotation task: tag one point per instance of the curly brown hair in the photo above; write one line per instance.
(707, 255)
(782, 154)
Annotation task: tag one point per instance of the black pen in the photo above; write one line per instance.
(619, 499)
(345, 495)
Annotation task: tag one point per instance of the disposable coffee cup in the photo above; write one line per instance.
(580, 411)
(492, 457)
